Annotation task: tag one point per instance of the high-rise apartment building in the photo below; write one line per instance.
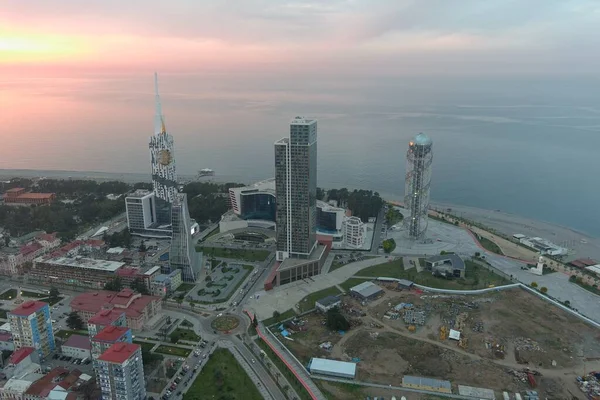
(120, 373)
(183, 254)
(31, 326)
(108, 336)
(419, 158)
(296, 190)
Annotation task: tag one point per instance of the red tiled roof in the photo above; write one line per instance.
(94, 242)
(111, 333)
(105, 317)
(118, 353)
(43, 386)
(583, 262)
(124, 300)
(78, 341)
(13, 190)
(30, 248)
(49, 237)
(20, 355)
(28, 308)
(36, 196)
(128, 271)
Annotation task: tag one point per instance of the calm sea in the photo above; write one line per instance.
(525, 146)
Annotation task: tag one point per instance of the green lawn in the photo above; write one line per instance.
(173, 351)
(26, 293)
(241, 254)
(3, 314)
(186, 334)
(308, 302)
(393, 269)
(476, 277)
(351, 283)
(285, 315)
(186, 324)
(248, 269)
(488, 244)
(222, 378)
(147, 346)
(9, 294)
(185, 287)
(289, 375)
(65, 334)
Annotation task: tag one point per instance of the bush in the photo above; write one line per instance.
(544, 289)
(336, 321)
(389, 245)
(534, 284)
(572, 278)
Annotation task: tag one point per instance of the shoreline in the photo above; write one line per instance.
(581, 243)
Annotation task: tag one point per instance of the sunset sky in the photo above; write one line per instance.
(353, 36)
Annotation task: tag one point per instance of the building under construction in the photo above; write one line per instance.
(417, 184)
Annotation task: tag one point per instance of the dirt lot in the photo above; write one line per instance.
(503, 333)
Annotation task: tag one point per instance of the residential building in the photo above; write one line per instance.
(31, 251)
(139, 309)
(330, 220)
(128, 275)
(104, 318)
(21, 196)
(15, 387)
(74, 271)
(165, 284)
(22, 362)
(120, 373)
(419, 158)
(296, 190)
(142, 217)
(107, 337)
(48, 240)
(57, 380)
(77, 346)
(182, 254)
(355, 232)
(10, 260)
(31, 326)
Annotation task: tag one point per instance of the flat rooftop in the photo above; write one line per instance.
(316, 254)
(366, 289)
(453, 259)
(85, 263)
(268, 185)
(324, 365)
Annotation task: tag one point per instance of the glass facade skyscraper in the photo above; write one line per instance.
(296, 190)
(183, 255)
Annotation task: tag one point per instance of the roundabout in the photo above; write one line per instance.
(225, 323)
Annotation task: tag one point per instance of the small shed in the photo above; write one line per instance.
(454, 335)
(341, 369)
(327, 303)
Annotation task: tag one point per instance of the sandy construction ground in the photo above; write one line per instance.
(581, 244)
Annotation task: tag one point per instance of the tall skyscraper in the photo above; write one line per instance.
(31, 326)
(296, 190)
(417, 184)
(120, 372)
(162, 156)
(183, 254)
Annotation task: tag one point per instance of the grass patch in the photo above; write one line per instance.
(65, 334)
(173, 351)
(308, 303)
(186, 324)
(240, 254)
(146, 346)
(214, 232)
(476, 277)
(225, 323)
(185, 334)
(9, 294)
(185, 287)
(34, 295)
(3, 314)
(289, 375)
(587, 287)
(351, 283)
(201, 292)
(222, 378)
(283, 316)
(488, 244)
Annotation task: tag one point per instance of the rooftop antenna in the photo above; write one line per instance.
(159, 120)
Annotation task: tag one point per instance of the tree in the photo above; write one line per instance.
(53, 295)
(336, 321)
(320, 193)
(389, 245)
(139, 286)
(572, 278)
(74, 321)
(175, 336)
(544, 289)
(567, 303)
(142, 247)
(114, 285)
(276, 315)
(534, 284)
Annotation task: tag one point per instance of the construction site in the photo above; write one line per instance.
(506, 341)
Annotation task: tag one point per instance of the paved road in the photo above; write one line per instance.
(377, 232)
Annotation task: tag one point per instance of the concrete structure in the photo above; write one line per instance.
(475, 392)
(327, 303)
(74, 271)
(434, 385)
(366, 291)
(417, 183)
(31, 326)
(104, 318)
(539, 268)
(120, 373)
(330, 220)
(294, 269)
(10, 260)
(77, 346)
(165, 284)
(142, 218)
(107, 337)
(138, 308)
(354, 232)
(543, 246)
(254, 202)
(21, 196)
(446, 265)
(296, 190)
(340, 369)
(182, 254)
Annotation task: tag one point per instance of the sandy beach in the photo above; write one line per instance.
(580, 244)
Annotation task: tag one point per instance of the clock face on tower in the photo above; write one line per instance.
(164, 157)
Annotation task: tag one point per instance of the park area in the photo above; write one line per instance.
(222, 282)
(250, 255)
(501, 334)
(222, 378)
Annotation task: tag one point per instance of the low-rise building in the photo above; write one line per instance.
(165, 284)
(74, 271)
(355, 232)
(10, 261)
(57, 380)
(449, 265)
(139, 309)
(77, 346)
(420, 383)
(21, 196)
(340, 369)
(295, 269)
(366, 291)
(327, 303)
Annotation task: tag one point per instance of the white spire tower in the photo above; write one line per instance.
(164, 173)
